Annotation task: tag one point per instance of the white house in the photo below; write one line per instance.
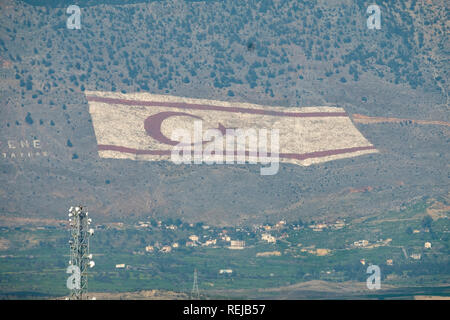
(226, 271)
(280, 224)
(193, 237)
(190, 244)
(166, 249)
(416, 256)
(361, 243)
(237, 244)
(269, 238)
(210, 242)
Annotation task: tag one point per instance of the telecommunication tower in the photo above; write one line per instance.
(80, 258)
(195, 293)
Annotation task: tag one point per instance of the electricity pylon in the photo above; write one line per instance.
(195, 295)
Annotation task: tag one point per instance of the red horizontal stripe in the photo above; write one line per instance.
(296, 156)
(326, 153)
(194, 106)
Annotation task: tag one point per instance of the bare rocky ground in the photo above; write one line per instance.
(314, 289)
(139, 295)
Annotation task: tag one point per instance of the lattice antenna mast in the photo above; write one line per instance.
(80, 257)
(195, 293)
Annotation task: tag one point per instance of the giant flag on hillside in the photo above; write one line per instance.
(139, 126)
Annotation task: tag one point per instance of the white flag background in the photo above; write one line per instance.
(138, 125)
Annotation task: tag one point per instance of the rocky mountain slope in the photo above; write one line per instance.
(281, 53)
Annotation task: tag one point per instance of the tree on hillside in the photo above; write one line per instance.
(426, 222)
